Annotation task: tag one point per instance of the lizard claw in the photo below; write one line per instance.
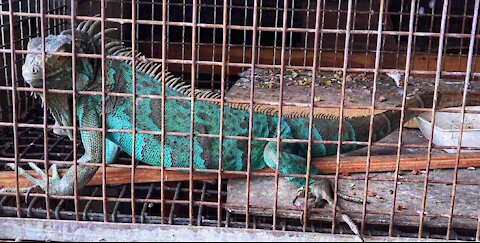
(312, 202)
(55, 184)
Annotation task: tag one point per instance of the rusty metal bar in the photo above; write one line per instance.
(73, 7)
(201, 208)
(447, 30)
(307, 25)
(224, 64)
(172, 208)
(146, 204)
(432, 19)
(89, 204)
(312, 110)
(260, 25)
(462, 123)
(477, 238)
(117, 203)
(162, 122)
(290, 49)
(104, 114)
(192, 112)
(212, 78)
(14, 103)
(222, 110)
(402, 116)
(435, 98)
(6, 67)
(280, 110)
(465, 7)
(250, 118)
(134, 107)
(338, 27)
(372, 111)
(342, 106)
(184, 43)
(415, 37)
(238, 27)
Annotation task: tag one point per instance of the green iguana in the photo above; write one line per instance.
(118, 78)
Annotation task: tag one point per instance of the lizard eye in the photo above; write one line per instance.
(62, 58)
(35, 70)
(65, 48)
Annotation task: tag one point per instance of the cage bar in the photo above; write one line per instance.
(211, 45)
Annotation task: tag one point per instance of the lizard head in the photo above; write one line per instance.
(56, 68)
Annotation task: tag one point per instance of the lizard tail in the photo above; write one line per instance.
(350, 198)
(445, 98)
(352, 225)
(389, 121)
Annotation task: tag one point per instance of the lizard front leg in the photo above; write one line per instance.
(67, 186)
(92, 141)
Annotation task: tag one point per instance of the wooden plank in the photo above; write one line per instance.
(408, 201)
(387, 163)
(358, 91)
(348, 165)
(420, 62)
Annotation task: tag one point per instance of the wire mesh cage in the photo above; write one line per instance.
(226, 91)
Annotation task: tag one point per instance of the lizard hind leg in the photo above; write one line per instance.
(290, 163)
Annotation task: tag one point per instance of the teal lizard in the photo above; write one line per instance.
(58, 71)
(118, 110)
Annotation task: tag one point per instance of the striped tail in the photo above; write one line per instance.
(389, 121)
(357, 129)
(352, 226)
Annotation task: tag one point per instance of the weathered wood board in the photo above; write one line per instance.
(328, 89)
(407, 208)
(358, 93)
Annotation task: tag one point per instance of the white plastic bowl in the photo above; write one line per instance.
(447, 128)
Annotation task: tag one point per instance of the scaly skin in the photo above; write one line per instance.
(118, 110)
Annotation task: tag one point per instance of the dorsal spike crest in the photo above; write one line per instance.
(91, 30)
(112, 44)
(86, 26)
(111, 50)
(81, 25)
(115, 47)
(153, 71)
(157, 70)
(141, 65)
(109, 35)
(147, 67)
(158, 77)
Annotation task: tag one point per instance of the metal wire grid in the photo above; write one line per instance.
(27, 28)
(255, 30)
(148, 207)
